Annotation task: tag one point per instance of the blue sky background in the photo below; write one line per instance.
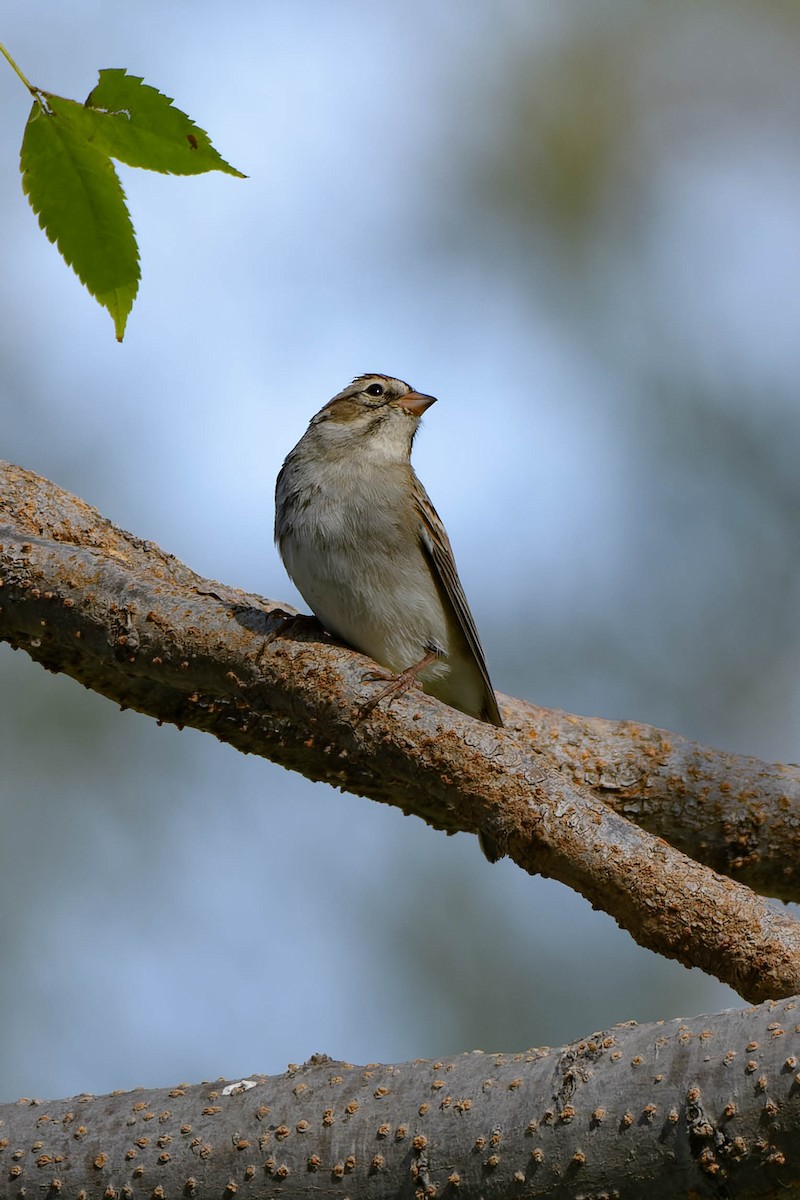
(577, 226)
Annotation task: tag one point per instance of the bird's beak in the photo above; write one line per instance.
(415, 403)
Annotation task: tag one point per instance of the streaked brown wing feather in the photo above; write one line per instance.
(436, 545)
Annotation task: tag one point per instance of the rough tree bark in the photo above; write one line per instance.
(706, 1107)
(131, 622)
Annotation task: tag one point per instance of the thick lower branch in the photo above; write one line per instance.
(708, 1106)
(134, 624)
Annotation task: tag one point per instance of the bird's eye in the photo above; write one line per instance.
(375, 389)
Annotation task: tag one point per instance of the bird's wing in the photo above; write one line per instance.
(436, 545)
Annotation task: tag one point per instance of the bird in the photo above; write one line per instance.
(366, 549)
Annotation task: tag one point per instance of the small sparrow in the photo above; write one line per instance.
(367, 551)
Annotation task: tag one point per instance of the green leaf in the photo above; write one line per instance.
(138, 125)
(75, 192)
(72, 185)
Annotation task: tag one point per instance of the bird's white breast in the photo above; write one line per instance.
(354, 555)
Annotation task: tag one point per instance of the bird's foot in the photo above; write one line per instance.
(287, 623)
(397, 684)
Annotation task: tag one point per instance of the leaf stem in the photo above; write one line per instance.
(33, 90)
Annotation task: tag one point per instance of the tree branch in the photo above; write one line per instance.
(709, 1106)
(737, 814)
(116, 613)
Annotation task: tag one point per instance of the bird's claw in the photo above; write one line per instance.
(286, 623)
(397, 684)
